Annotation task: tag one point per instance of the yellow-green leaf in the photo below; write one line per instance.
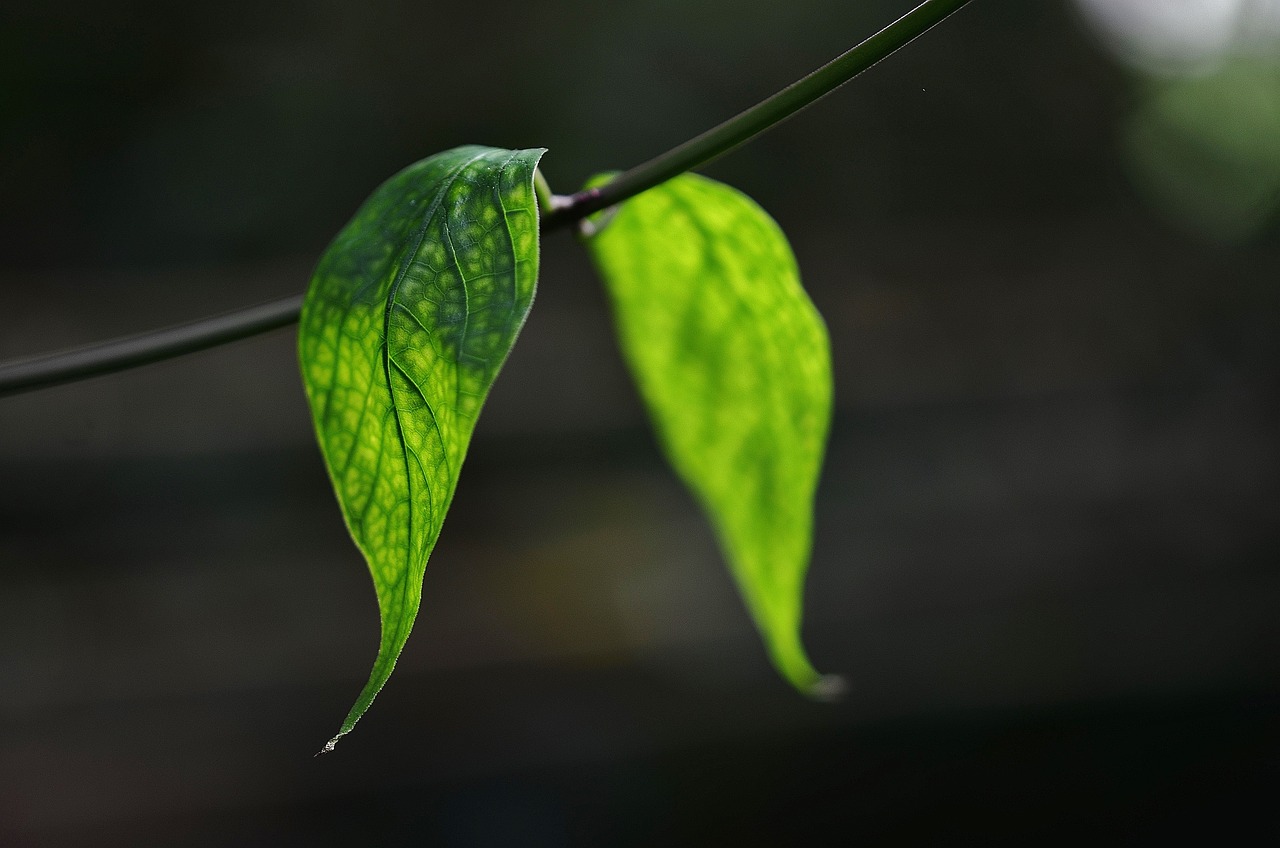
(410, 314)
(733, 363)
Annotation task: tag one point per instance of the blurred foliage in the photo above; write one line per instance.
(1203, 142)
(1206, 149)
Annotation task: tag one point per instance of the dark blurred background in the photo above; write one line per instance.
(1045, 240)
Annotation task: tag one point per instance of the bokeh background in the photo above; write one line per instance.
(1045, 240)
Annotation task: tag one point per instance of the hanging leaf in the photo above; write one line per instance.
(733, 362)
(410, 314)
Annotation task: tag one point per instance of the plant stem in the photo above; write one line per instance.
(156, 345)
(145, 348)
(765, 115)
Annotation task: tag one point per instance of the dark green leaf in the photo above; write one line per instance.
(410, 314)
(733, 363)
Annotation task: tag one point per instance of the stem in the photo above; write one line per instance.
(765, 115)
(153, 346)
(145, 348)
(542, 190)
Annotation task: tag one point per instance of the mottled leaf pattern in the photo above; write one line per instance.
(733, 363)
(410, 314)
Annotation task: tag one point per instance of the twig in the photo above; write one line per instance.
(156, 345)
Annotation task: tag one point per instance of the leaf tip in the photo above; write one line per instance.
(330, 745)
(829, 688)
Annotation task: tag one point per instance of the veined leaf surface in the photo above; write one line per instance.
(411, 312)
(733, 362)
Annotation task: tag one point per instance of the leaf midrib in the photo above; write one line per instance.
(444, 186)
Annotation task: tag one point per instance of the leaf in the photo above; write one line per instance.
(733, 362)
(411, 312)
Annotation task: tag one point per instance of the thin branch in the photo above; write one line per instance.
(765, 115)
(145, 348)
(153, 346)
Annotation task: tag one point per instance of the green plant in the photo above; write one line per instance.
(414, 307)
